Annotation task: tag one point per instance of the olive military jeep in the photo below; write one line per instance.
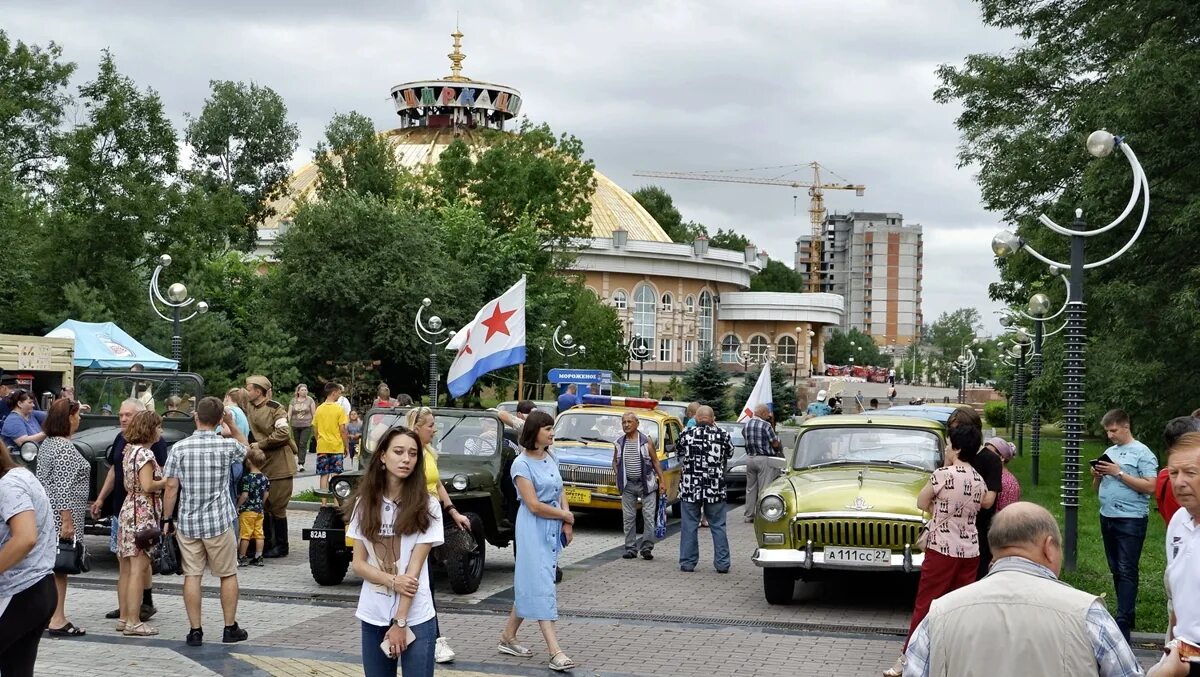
(474, 460)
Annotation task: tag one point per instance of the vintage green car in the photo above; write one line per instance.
(847, 501)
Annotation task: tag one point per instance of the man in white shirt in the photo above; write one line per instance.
(1183, 539)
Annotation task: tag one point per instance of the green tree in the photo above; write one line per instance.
(841, 346)
(728, 239)
(777, 276)
(242, 140)
(783, 395)
(658, 202)
(20, 295)
(705, 382)
(353, 158)
(1084, 65)
(33, 83)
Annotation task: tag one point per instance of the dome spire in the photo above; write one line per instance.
(456, 57)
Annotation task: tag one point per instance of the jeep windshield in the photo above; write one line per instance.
(590, 426)
(898, 447)
(456, 435)
(167, 393)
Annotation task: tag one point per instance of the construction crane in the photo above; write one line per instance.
(816, 206)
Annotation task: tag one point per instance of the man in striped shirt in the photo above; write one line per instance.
(639, 478)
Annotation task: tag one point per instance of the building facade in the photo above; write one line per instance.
(875, 262)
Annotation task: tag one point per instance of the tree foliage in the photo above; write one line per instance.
(777, 276)
(659, 203)
(841, 346)
(783, 395)
(705, 382)
(353, 158)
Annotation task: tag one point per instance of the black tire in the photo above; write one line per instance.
(463, 554)
(779, 585)
(328, 561)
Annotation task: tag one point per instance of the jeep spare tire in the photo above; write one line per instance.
(328, 560)
(463, 553)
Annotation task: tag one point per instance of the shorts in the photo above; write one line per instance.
(329, 464)
(218, 552)
(251, 525)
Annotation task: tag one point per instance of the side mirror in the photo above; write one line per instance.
(29, 452)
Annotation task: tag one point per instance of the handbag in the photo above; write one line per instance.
(72, 557)
(660, 516)
(922, 537)
(166, 558)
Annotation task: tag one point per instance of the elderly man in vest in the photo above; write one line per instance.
(1031, 623)
(639, 478)
(270, 432)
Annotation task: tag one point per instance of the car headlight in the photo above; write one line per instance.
(771, 508)
(738, 468)
(29, 452)
(341, 489)
(458, 482)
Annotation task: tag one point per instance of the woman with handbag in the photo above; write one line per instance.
(65, 474)
(141, 512)
(27, 545)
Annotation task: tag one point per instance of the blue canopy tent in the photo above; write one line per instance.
(104, 345)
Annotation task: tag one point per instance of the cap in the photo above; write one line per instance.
(1002, 447)
(821, 395)
(260, 381)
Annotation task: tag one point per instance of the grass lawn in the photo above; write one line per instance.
(307, 495)
(1092, 573)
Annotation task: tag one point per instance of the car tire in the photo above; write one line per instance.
(779, 585)
(464, 554)
(328, 561)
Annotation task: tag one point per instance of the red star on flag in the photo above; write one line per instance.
(497, 323)
(466, 349)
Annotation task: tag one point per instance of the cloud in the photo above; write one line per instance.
(662, 85)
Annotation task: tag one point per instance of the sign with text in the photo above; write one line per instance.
(33, 356)
(579, 376)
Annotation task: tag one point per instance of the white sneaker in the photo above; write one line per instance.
(442, 653)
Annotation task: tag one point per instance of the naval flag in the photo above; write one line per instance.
(494, 339)
(760, 395)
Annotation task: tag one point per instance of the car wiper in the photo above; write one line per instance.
(829, 463)
(566, 439)
(903, 464)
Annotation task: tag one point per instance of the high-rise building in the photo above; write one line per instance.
(875, 262)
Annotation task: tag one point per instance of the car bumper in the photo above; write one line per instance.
(735, 484)
(907, 561)
(586, 498)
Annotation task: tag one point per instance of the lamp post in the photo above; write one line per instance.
(433, 333)
(177, 300)
(1100, 144)
(639, 349)
(565, 345)
(541, 346)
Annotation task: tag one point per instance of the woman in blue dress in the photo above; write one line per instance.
(544, 525)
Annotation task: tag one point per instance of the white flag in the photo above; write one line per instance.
(495, 339)
(760, 395)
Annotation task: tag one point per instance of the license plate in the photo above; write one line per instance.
(858, 556)
(322, 534)
(576, 496)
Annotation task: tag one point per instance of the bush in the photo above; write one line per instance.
(996, 414)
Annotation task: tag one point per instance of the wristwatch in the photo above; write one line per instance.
(399, 623)
(1120, 474)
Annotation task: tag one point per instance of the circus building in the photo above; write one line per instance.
(679, 299)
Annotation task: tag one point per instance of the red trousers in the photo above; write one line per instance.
(940, 574)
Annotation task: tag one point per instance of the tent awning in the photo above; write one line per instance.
(104, 345)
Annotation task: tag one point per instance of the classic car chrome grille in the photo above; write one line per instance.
(863, 533)
(586, 475)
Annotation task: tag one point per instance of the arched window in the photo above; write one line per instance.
(759, 345)
(668, 302)
(645, 306)
(619, 300)
(704, 326)
(729, 349)
(786, 350)
(690, 304)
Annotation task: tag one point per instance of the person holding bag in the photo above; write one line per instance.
(141, 511)
(395, 524)
(65, 475)
(639, 477)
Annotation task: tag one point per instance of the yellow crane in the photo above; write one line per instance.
(816, 206)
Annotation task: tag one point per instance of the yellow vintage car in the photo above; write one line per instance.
(584, 439)
(848, 500)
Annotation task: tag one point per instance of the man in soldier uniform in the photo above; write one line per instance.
(269, 431)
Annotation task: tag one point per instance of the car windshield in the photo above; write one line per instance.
(455, 436)
(902, 447)
(165, 393)
(735, 433)
(679, 411)
(590, 426)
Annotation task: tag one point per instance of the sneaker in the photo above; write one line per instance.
(629, 554)
(147, 612)
(115, 613)
(300, 469)
(234, 634)
(687, 570)
(243, 561)
(442, 653)
(257, 562)
(195, 637)
(646, 554)
(747, 520)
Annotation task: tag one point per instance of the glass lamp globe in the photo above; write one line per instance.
(202, 307)
(164, 260)
(1039, 305)
(1100, 143)
(435, 323)
(1006, 321)
(1005, 243)
(567, 339)
(177, 293)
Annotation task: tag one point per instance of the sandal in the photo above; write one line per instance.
(140, 630)
(561, 665)
(120, 626)
(68, 630)
(897, 669)
(511, 648)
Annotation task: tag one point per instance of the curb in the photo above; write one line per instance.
(306, 506)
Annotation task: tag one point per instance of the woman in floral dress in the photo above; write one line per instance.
(142, 509)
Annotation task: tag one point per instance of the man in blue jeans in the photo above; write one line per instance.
(703, 452)
(1125, 485)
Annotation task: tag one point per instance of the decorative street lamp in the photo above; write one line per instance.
(565, 345)
(433, 333)
(1100, 144)
(541, 347)
(639, 349)
(177, 300)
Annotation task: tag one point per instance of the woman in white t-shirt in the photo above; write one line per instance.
(395, 523)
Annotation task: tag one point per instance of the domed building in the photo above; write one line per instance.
(677, 300)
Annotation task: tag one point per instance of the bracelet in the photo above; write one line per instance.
(452, 508)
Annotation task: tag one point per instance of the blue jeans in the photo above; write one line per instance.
(415, 661)
(1123, 539)
(689, 543)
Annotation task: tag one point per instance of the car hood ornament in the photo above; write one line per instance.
(860, 503)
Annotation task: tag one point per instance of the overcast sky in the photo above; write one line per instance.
(668, 85)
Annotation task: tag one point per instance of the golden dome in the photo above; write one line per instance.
(612, 207)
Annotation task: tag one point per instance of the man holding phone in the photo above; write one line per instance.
(1125, 477)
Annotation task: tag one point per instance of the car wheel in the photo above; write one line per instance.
(328, 560)
(779, 585)
(464, 553)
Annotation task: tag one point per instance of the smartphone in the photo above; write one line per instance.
(1104, 458)
(386, 646)
(562, 538)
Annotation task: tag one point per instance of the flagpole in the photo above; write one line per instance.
(521, 381)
